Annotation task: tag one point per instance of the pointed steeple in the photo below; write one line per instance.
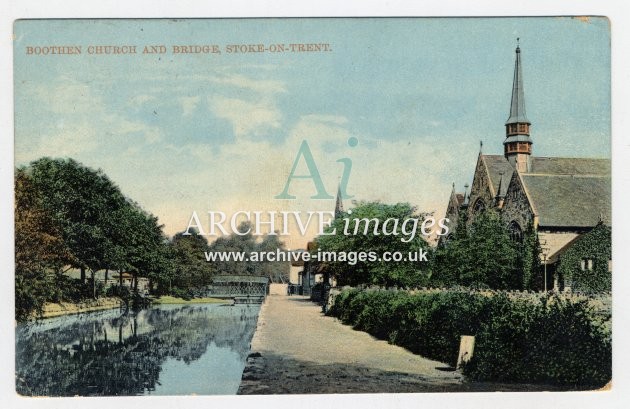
(517, 107)
(517, 147)
(338, 203)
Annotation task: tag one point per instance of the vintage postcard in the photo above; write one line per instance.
(312, 206)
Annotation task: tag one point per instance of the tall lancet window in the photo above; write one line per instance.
(516, 233)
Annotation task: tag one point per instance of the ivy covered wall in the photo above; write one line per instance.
(585, 265)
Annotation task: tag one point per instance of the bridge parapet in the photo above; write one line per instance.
(243, 289)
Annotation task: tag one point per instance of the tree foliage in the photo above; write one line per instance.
(40, 251)
(378, 272)
(68, 215)
(482, 256)
(277, 271)
(190, 266)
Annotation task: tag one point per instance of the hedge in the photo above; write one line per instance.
(546, 340)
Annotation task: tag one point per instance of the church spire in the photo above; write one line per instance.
(517, 107)
(518, 144)
(338, 203)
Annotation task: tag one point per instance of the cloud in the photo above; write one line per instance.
(259, 86)
(171, 176)
(189, 104)
(139, 100)
(330, 119)
(75, 120)
(67, 96)
(68, 141)
(247, 118)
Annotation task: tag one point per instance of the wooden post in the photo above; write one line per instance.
(466, 348)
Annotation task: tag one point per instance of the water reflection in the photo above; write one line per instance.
(162, 350)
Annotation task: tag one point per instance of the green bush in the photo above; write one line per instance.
(181, 293)
(553, 341)
(119, 291)
(75, 290)
(548, 340)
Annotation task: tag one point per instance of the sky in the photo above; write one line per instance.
(220, 132)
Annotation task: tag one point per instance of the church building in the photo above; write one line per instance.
(566, 201)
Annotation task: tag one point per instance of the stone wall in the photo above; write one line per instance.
(516, 206)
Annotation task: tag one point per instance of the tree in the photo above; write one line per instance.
(277, 271)
(101, 228)
(190, 266)
(529, 259)
(81, 201)
(483, 256)
(40, 251)
(235, 243)
(375, 271)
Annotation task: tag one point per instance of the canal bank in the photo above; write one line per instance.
(65, 308)
(296, 349)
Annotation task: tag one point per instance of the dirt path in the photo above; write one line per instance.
(302, 351)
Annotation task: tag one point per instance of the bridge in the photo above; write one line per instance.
(242, 289)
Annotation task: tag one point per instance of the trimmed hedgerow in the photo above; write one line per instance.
(555, 341)
(540, 340)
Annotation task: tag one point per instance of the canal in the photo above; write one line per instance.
(163, 350)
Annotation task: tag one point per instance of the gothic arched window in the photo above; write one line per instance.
(479, 206)
(516, 233)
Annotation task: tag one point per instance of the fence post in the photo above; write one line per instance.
(466, 348)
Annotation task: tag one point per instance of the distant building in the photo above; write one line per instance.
(561, 199)
(314, 272)
(111, 278)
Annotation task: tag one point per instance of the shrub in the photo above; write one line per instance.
(553, 341)
(542, 340)
(119, 291)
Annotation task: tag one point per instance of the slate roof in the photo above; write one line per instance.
(566, 192)
(497, 164)
(570, 166)
(569, 200)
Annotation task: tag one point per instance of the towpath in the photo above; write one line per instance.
(296, 349)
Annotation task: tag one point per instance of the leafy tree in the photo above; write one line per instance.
(485, 256)
(378, 272)
(529, 260)
(40, 251)
(235, 243)
(277, 271)
(101, 228)
(81, 201)
(190, 266)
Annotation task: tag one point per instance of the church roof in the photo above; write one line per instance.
(569, 200)
(570, 166)
(497, 164)
(566, 192)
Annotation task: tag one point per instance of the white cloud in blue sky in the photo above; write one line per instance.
(184, 132)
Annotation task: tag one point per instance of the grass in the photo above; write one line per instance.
(167, 299)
